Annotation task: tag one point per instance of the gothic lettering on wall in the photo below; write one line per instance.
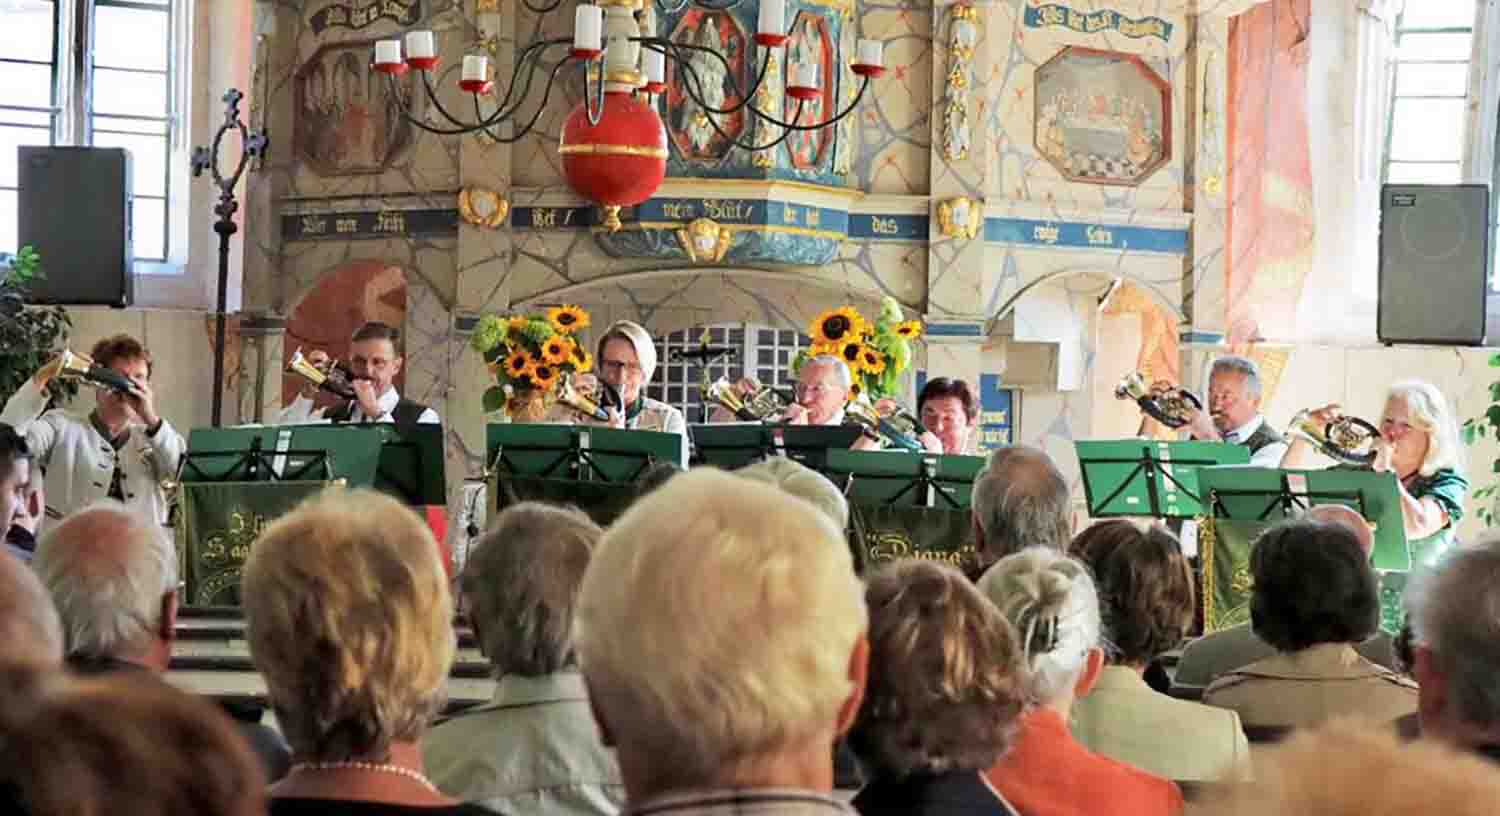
(347, 118)
(688, 123)
(810, 43)
(1102, 117)
(1054, 15)
(403, 13)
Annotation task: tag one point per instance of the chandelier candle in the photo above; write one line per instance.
(804, 81)
(388, 56)
(588, 27)
(476, 74)
(420, 52)
(770, 27)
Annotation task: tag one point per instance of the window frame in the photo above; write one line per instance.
(1396, 95)
(73, 116)
(745, 362)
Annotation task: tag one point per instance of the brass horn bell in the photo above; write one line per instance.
(899, 429)
(765, 405)
(1346, 439)
(83, 367)
(332, 380)
(1173, 409)
(569, 395)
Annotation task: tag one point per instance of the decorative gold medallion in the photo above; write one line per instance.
(482, 6)
(960, 217)
(704, 240)
(482, 208)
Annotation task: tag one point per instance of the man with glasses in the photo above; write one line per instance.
(626, 359)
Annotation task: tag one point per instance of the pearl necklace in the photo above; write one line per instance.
(370, 767)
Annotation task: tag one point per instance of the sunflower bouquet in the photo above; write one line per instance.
(530, 352)
(877, 352)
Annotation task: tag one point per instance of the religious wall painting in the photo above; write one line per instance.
(811, 43)
(1102, 117)
(348, 120)
(715, 83)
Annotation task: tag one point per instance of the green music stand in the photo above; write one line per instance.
(904, 479)
(578, 452)
(1270, 495)
(406, 462)
(250, 454)
(733, 445)
(1149, 477)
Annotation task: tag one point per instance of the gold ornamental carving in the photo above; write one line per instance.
(705, 240)
(482, 208)
(960, 217)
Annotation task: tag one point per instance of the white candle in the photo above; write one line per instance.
(588, 25)
(475, 68)
(388, 52)
(871, 52)
(772, 17)
(419, 45)
(804, 75)
(655, 63)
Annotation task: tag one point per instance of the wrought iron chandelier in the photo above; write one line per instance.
(614, 145)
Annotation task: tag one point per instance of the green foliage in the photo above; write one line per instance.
(1486, 426)
(32, 336)
(494, 399)
(488, 333)
(538, 330)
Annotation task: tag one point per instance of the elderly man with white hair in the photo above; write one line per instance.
(1204, 659)
(721, 630)
(30, 633)
(1020, 500)
(1455, 622)
(112, 575)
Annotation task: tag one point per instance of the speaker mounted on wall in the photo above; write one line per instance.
(1434, 263)
(74, 207)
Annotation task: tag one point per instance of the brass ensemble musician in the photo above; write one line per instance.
(1233, 415)
(949, 411)
(1418, 442)
(375, 360)
(122, 449)
(626, 360)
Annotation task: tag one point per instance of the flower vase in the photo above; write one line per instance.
(528, 405)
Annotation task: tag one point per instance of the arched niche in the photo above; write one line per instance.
(342, 299)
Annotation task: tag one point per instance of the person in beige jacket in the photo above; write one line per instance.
(1146, 598)
(1315, 598)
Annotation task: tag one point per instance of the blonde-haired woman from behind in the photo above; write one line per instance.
(1051, 601)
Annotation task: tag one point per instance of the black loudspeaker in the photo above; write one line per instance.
(75, 209)
(1434, 263)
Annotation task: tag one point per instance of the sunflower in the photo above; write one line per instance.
(543, 376)
(909, 329)
(852, 353)
(871, 360)
(855, 389)
(820, 349)
(518, 363)
(837, 325)
(568, 318)
(557, 349)
(581, 359)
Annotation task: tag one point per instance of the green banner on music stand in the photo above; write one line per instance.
(217, 522)
(1149, 477)
(882, 533)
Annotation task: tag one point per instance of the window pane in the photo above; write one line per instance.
(29, 85)
(16, 117)
(1418, 79)
(1433, 47)
(130, 38)
(1427, 130)
(1438, 14)
(149, 228)
(8, 221)
(28, 30)
(130, 93)
(11, 138)
(148, 160)
(1404, 173)
(149, 127)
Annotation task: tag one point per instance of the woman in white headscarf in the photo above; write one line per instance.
(626, 359)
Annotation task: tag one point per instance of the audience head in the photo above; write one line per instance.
(30, 633)
(1051, 601)
(1419, 425)
(521, 586)
(375, 352)
(823, 384)
(949, 409)
(15, 474)
(656, 476)
(1145, 588)
(946, 685)
(804, 483)
(1313, 584)
(125, 355)
(1233, 392)
(1455, 622)
(122, 743)
(1020, 500)
(1347, 516)
(720, 629)
(113, 577)
(349, 619)
(1350, 768)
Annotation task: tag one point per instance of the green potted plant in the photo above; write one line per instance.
(29, 335)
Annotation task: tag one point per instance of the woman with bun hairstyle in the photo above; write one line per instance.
(1050, 600)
